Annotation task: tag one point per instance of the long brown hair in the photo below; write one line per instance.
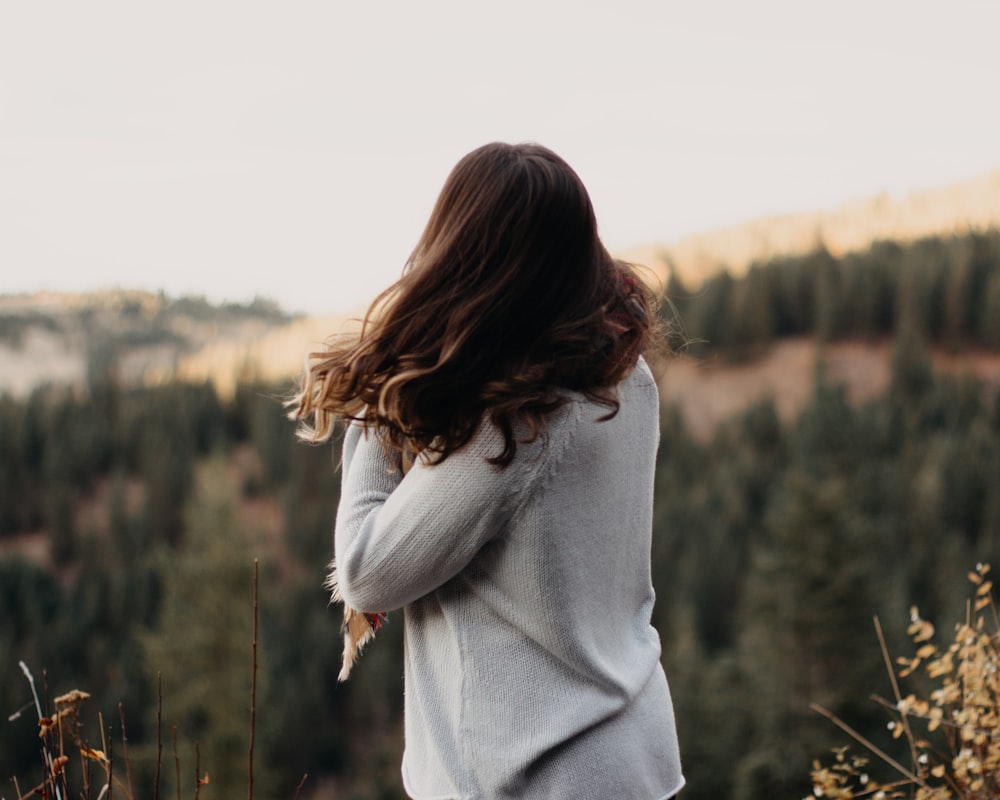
(508, 298)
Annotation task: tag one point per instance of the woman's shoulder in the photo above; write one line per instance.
(639, 379)
(643, 382)
(536, 443)
(642, 375)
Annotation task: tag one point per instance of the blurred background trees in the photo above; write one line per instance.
(130, 518)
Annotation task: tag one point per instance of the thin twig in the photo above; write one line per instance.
(865, 743)
(38, 790)
(111, 762)
(159, 735)
(20, 711)
(31, 683)
(61, 776)
(106, 749)
(128, 763)
(63, 773)
(47, 706)
(46, 755)
(45, 688)
(197, 770)
(298, 788)
(253, 687)
(895, 690)
(177, 765)
(882, 787)
(996, 618)
(88, 791)
(943, 722)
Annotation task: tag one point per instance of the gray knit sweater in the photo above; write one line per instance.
(531, 668)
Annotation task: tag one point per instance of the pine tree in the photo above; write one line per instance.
(202, 643)
(810, 597)
(989, 320)
(61, 525)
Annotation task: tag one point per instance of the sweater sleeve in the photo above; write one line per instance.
(398, 538)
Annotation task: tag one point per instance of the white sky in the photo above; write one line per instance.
(294, 149)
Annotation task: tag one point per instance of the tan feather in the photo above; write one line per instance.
(357, 628)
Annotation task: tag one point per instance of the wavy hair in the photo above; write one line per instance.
(508, 300)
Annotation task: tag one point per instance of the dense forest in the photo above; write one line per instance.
(775, 544)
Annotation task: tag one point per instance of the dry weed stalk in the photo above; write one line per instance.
(60, 734)
(65, 724)
(956, 754)
(253, 687)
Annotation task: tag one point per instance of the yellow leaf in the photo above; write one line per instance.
(938, 771)
(94, 755)
(985, 588)
(924, 631)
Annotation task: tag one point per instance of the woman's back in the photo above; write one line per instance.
(497, 485)
(534, 667)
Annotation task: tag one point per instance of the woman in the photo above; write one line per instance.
(497, 485)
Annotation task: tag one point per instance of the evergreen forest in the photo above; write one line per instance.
(131, 517)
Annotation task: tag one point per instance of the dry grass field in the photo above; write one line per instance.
(708, 392)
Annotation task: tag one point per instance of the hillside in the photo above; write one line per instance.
(148, 338)
(130, 514)
(708, 392)
(972, 205)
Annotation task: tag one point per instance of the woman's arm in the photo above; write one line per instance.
(398, 538)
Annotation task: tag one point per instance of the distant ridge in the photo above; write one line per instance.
(48, 337)
(955, 209)
(275, 357)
